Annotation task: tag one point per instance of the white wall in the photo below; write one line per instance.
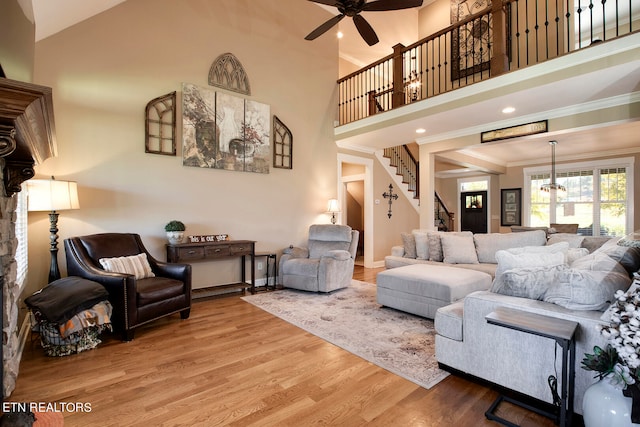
(104, 70)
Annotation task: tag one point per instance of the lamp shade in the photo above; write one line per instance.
(52, 195)
(332, 206)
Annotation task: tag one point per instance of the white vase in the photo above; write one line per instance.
(604, 405)
(175, 237)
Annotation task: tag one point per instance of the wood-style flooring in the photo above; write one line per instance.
(233, 364)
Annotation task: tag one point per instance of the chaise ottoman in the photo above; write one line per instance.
(422, 288)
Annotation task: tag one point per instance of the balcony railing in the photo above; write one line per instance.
(510, 35)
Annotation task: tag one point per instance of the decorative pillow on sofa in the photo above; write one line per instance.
(488, 244)
(409, 243)
(574, 240)
(529, 282)
(508, 260)
(628, 257)
(138, 265)
(422, 243)
(458, 249)
(435, 246)
(587, 289)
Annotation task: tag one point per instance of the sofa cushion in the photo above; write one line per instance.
(574, 240)
(488, 244)
(138, 265)
(435, 247)
(409, 244)
(458, 249)
(421, 243)
(589, 284)
(628, 257)
(587, 289)
(509, 261)
(530, 282)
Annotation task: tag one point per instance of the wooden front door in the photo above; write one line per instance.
(473, 211)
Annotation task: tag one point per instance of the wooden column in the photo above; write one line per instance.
(398, 74)
(500, 59)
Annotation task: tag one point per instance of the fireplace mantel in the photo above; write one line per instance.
(27, 130)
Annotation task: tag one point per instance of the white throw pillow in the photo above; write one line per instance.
(549, 249)
(422, 243)
(138, 265)
(458, 249)
(508, 261)
(574, 240)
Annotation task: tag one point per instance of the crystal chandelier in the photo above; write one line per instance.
(553, 185)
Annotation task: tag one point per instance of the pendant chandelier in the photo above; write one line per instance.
(553, 185)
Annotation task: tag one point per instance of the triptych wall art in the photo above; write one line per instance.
(223, 131)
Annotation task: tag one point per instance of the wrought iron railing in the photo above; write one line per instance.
(406, 166)
(444, 219)
(510, 35)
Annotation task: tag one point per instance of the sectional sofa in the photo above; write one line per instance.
(577, 284)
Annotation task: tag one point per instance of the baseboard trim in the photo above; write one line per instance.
(23, 335)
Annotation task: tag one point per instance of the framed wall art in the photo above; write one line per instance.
(223, 131)
(510, 207)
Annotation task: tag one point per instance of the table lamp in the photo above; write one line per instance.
(333, 209)
(52, 196)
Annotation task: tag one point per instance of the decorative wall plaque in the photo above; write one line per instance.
(228, 73)
(160, 130)
(282, 145)
(514, 131)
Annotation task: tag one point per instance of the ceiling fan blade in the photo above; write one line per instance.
(365, 30)
(327, 2)
(324, 27)
(381, 5)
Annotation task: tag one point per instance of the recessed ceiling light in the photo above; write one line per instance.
(421, 130)
(340, 34)
(508, 110)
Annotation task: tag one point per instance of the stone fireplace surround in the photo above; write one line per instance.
(27, 138)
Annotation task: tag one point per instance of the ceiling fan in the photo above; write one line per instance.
(353, 8)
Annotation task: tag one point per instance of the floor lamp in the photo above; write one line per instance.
(52, 196)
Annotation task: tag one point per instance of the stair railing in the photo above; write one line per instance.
(443, 218)
(406, 166)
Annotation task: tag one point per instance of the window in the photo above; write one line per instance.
(598, 197)
(21, 235)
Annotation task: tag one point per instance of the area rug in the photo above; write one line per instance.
(351, 318)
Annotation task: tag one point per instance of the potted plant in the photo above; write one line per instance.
(175, 231)
(615, 398)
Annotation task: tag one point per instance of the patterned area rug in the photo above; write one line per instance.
(352, 319)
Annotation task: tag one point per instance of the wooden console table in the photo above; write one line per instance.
(211, 251)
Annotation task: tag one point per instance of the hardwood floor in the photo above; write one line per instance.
(233, 364)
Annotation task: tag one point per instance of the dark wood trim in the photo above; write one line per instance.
(27, 130)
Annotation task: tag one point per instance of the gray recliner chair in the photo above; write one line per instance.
(327, 263)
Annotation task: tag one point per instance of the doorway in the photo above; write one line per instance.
(355, 195)
(474, 211)
(354, 210)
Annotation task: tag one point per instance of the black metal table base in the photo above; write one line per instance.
(502, 398)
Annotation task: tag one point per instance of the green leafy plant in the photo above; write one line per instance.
(602, 361)
(174, 225)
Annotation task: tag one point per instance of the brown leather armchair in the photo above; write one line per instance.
(135, 301)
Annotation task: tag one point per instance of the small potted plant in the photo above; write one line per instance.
(175, 231)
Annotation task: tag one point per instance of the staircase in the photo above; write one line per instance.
(405, 169)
